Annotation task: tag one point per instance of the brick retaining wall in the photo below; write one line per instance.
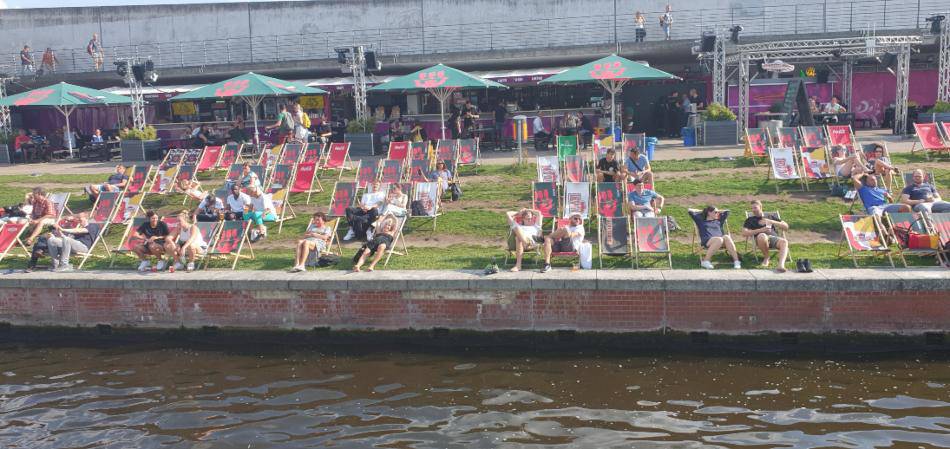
(726, 302)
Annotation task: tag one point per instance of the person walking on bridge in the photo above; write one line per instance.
(666, 21)
(94, 48)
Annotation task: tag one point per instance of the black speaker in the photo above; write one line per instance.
(371, 62)
(822, 76)
(138, 71)
(708, 42)
(889, 60)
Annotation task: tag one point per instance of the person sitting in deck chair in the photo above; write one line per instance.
(395, 202)
(846, 165)
(262, 209)
(211, 209)
(878, 163)
(922, 196)
(247, 178)
(115, 183)
(443, 176)
(644, 202)
(765, 231)
(710, 223)
(384, 238)
(315, 239)
(566, 239)
(607, 167)
(190, 187)
(155, 242)
(526, 229)
(361, 216)
(63, 241)
(238, 203)
(637, 166)
(188, 242)
(42, 215)
(876, 199)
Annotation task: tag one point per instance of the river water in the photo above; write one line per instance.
(134, 397)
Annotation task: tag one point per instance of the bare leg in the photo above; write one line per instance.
(712, 245)
(303, 250)
(359, 263)
(731, 247)
(519, 253)
(379, 255)
(141, 251)
(782, 254)
(762, 242)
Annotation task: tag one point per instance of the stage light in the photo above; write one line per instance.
(138, 71)
(707, 42)
(341, 53)
(935, 21)
(734, 37)
(121, 68)
(372, 63)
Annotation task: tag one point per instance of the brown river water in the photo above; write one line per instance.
(135, 397)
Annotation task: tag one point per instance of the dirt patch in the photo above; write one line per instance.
(793, 197)
(711, 173)
(795, 237)
(486, 205)
(51, 187)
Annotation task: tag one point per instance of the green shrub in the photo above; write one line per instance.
(718, 113)
(148, 133)
(940, 107)
(361, 126)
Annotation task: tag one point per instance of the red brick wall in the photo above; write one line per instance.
(582, 310)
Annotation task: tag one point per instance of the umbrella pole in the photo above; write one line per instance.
(66, 135)
(254, 102)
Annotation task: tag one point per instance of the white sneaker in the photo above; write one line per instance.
(737, 265)
(706, 264)
(65, 268)
(349, 235)
(160, 266)
(54, 264)
(369, 235)
(144, 266)
(299, 268)
(178, 266)
(190, 266)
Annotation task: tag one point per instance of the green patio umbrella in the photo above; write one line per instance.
(252, 88)
(612, 72)
(439, 80)
(65, 98)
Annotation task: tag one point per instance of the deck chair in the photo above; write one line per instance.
(756, 143)
(577, 199)
(468, 153)
(10, 243)
(305, 178)
(291, 153)
(544, 199)
(337, 158)
(192, 156)
(429, 196)
(652, 236)
(511, 248)
(313, 152)
(333, 225)
(172, 158)
(97, 231)
(813, 136)
(841, 135)
(908, 177)
(164, 180)
(209, 232)
(209, 159)
(784, 167)
(815, 166)
(280, 178)
(788, 138)
(575, 169)
(397, 239)
(750, 246)
(940, 225)
(419, 170)
(344, 195)
(419, 151)
(446, 149)
(929, 138)
(128, 241)
(695, 246)
(600, 147)
(186, 172)
(906, 230)
(282, 207)
(398, 151)
(549, 169)
(230, 155)
(613, 238)
(105, 207)
(367, 174)
(59, 201)
(631, 141)
(610, 199)
(391, 171)
(230, 242)
(560, 223)
(270, 156)
(566, 146)
(862, 234)
(869, 154)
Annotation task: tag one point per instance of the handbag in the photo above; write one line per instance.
(922, 241)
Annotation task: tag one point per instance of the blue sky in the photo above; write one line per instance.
(62, 3)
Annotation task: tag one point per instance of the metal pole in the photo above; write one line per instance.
(943, 66)
(181, 54)
(422, 17)
(743, 119)
(903, 76)
(615, 23)
(719, 68)
(847, 82)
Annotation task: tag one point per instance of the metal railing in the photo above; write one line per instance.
(824, 16)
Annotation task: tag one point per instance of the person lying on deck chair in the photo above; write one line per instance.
(846, 165)
(155, 242)
(922, 196)
(361, 216)
(563, 240)
(190, 187)
(765, 231)
(315, 239)
(383, 239)
(115, 183)
(644, 202)
(710, 223)
(876, 199)
(637, 166)
(526, 228)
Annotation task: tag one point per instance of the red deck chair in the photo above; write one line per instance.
(419, 170)
(367, 174)
(313, 152)
(813, 136)
(230, 242)
(209, 159)
(929, 138)
(10, 233)
(305, 179)
(756, 142)
(544, 198)
(344, 195)
(391, 171)
(105, 206)
(230, 155)
(469, 153)
(280, 178)
(398, 151)
(610, 199)
(841, 135)
(291, 153)
(337, 157)
(419, 151)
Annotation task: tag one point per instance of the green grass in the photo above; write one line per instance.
(469, 233)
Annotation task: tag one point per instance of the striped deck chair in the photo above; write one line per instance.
(469, 153)
(230, 242)
(419, 170)
(210, 157)
(337, 158)
(576, 199)
(10, 233)
(940, 225)
(312, 153)
(784, 167)
(544, 199)
(391, 171)
(652, 237)
(59, 202)
(105, 206)
(756, 143)
(841, 135)
(929, 138)
(367, 174)
(398, 151)
(305, 178)
(344, 195)
(813, 136)
(566, 146)
(397, 239)
(911, 234)
(429, 196)
(613, 239)
(280, 178)
(610, 199)
(97, 231)
(549, 169)
(282, 207)
(230, 155)
(862, 234)
(575, 169)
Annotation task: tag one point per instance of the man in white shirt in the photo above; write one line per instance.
(237, 203)
(564, 240)
(526, 229)
(360, 216)
(541, 135)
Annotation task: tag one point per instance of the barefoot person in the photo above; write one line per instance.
(382, 239)
(765, 230)
(563, 240)
(315, 239)
(526, 228)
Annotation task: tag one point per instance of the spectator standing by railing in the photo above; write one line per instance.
(638, 22)
(666, 21)
(26, 60)
(94, 49)
(49, 61)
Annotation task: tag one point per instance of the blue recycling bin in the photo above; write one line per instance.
(651, 145)
(689, 136)
(618, 134)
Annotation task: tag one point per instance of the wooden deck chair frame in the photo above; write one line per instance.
(98, 241)
(284, 153)
(799, 171)
(560, 222)
(313, 179)
(511, 249)
(855, 145)
(211, 237)
(601, 235)
(16, 241)
(751, 248)
(334, 224)
(590, 201)
(172, 157)
(437, 205)
(934, 131)
(622, 210)
(115, 205)
(374, 166)
(61, 199)
(172, 173)
(695, 246)
(291, 177)
(557, 146)
(664, 223)
(126, 235)
(398, 238)
(749, 151)
(224, 164)
(400, 169)
(309, 148)
(286, 211)
(342, 163)
(939, 224)
(878, 231)
(194, 177)
(398, 144)
(828, 180)
(244, 240)
(890, 227)
(887, 154)
(270, 152)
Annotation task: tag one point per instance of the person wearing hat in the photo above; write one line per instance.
(710, 223)
(637, 166)
(564, 240)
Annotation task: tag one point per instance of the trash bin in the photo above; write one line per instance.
(689, 136)
(618, 134)
(651, 145)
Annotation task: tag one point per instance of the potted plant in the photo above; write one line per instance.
(6, 141)
(360, 135)
(940, 112)
(140, 145)
(719, 126)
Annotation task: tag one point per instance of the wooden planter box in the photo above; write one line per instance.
(361, 144)
(5, 156)
(141, 150)
(719, 133)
